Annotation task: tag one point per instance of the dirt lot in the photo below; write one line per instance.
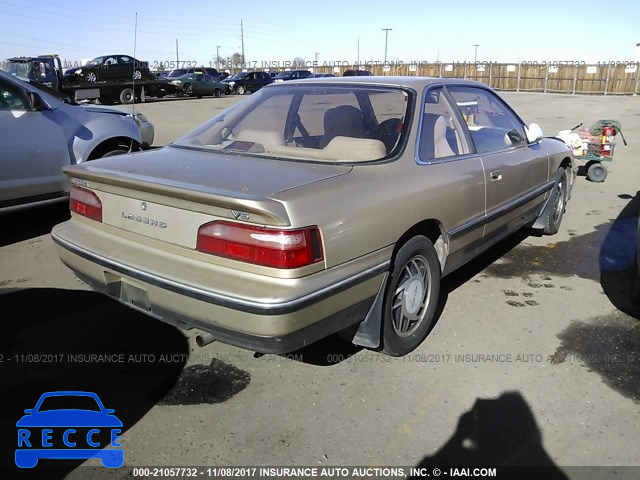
(537, 335)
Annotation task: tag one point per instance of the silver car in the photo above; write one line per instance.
(41, 132)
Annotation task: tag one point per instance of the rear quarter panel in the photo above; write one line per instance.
(371, 207)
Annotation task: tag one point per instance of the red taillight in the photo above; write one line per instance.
(85, 203)
(261, 246)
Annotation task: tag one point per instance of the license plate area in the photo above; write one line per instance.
(134, 296)
(127, 292)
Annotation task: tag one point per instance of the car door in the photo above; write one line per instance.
(250, 82)
(453, 176)
(110, 70)
(124, 69)
(208, 85)
(516, 171)
(196, 80)
(33, 149)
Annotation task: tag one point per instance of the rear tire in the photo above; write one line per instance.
(411, 297)
(217, 93)
(556, 206)
(127, 96)
(597, 172)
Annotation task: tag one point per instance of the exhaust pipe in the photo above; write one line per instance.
(203, 339)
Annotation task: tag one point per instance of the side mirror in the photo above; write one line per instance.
(35, 102)
(534, 132)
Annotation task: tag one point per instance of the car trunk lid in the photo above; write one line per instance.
(167, 194)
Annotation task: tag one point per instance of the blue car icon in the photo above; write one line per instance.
(91, 431)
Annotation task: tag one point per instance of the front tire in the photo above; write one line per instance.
(241, 90)
(115, 151)
(412, 296)
(555, 208)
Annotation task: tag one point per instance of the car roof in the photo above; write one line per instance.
(417, 83)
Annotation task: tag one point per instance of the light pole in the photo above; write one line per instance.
(316, 54)
(386, 40)
(475, 55)
(218, 57)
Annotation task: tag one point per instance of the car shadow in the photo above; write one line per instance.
(55, 340)
(617, 257)
(27, 224)
(499, 433)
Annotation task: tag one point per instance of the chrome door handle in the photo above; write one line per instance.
(496, 175)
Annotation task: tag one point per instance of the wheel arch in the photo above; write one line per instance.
(568, 166)
(113, 143)
(434, 230)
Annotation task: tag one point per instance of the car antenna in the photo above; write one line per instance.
(133, 106)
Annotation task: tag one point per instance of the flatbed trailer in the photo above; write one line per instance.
(47, 70)
(119, 91)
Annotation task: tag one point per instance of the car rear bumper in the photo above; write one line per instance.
(275, 315)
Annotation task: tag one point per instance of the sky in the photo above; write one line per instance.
(327, 30)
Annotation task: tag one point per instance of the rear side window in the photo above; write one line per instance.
(440, 135)
(492, 125)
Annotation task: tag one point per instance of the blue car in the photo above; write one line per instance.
(73, 426)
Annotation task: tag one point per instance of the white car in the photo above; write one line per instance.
(41, 132)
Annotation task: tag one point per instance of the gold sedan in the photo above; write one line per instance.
(315, 206)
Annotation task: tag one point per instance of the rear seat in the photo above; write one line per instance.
(339, 149)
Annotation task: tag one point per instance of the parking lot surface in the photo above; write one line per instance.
(537, 336)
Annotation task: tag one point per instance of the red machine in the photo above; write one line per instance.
(608, 134)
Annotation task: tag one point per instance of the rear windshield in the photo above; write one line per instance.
(311, 122)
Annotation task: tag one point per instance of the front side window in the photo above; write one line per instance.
(310, 123)
(11, 98)
(440, 135)
(492, 125)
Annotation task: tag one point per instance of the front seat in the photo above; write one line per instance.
(342, 121)
(434, 143)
